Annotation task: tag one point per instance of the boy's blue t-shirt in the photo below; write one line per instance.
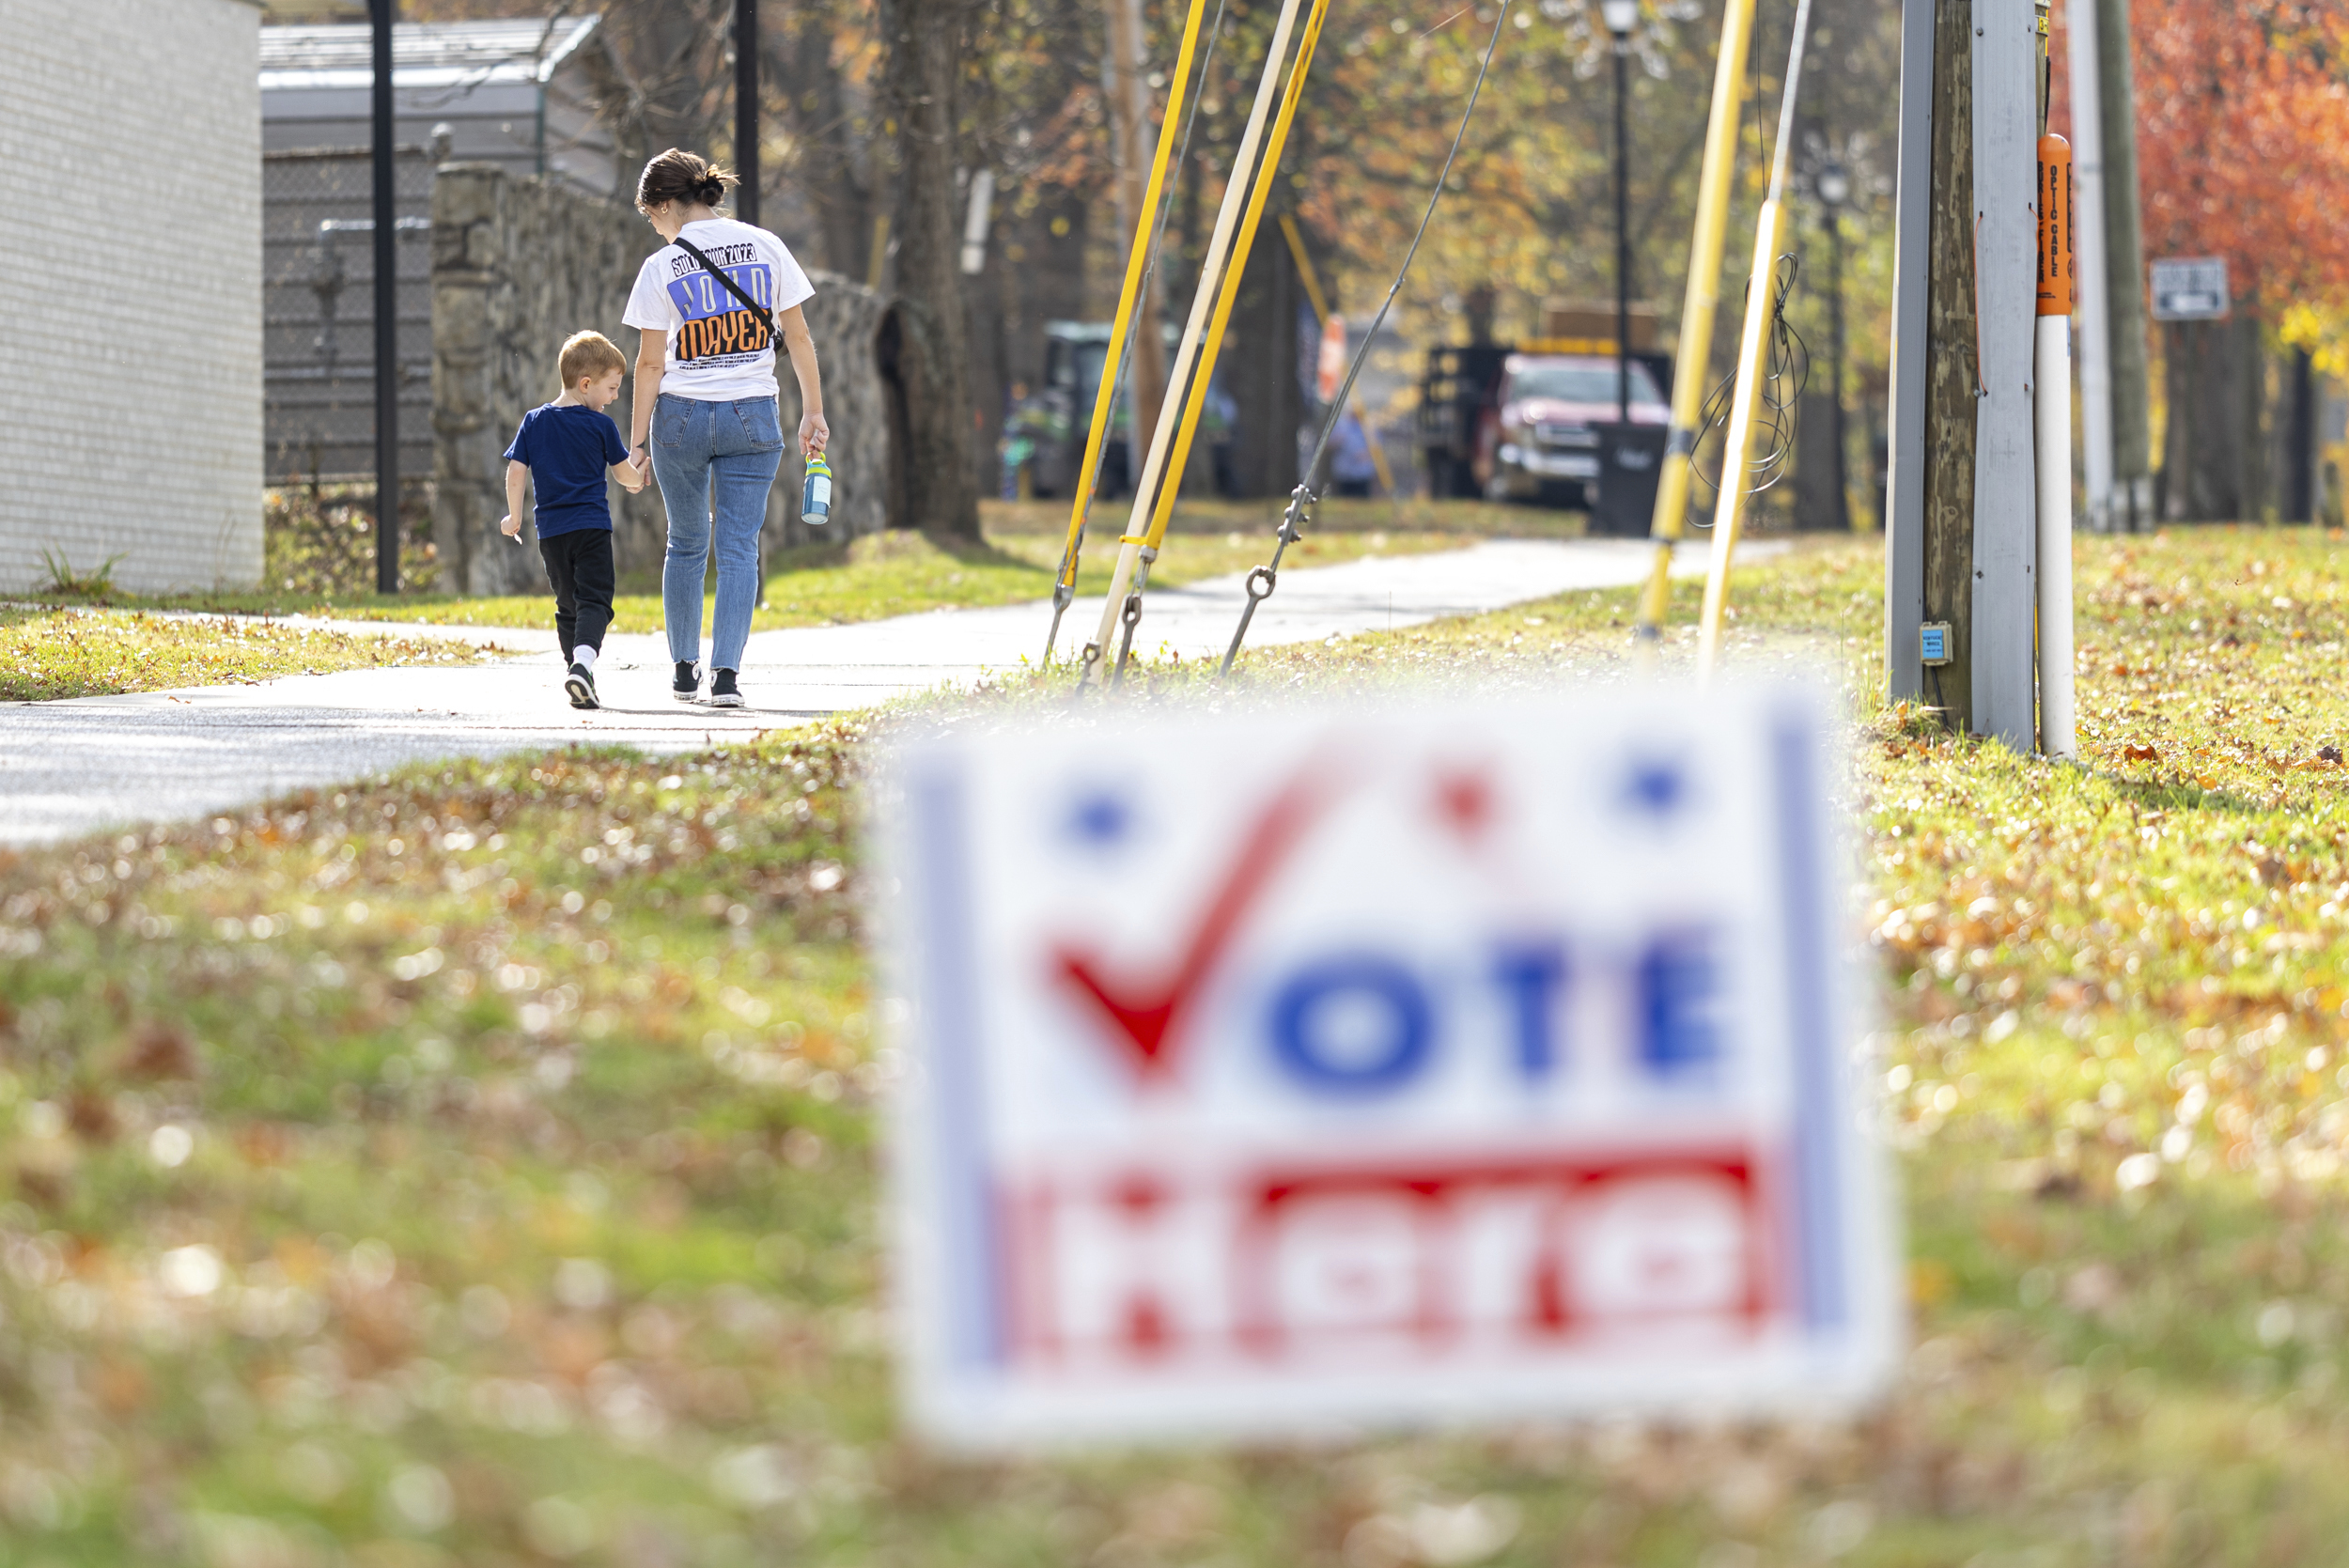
(569, 449)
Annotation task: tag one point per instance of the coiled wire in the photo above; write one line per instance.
(1785, 372)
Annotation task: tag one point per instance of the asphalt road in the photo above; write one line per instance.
(81, 766)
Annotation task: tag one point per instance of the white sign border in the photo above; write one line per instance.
(1841, 1171)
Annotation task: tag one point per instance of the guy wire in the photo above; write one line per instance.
(1338, 403)
(1302, 496)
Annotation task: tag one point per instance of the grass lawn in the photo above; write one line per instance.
(479, 1167)
(899, 573)
(84, 653)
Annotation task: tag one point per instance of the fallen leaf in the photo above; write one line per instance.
(159, 1050)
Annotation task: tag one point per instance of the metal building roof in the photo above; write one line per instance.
(424, 53)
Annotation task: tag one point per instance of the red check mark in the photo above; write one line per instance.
(1145, 1016)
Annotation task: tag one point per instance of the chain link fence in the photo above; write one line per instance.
(319, 313)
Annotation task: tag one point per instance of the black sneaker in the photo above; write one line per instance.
(722, 692)
(686, 686)
(580, 686)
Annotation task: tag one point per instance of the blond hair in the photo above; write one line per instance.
(589, 355)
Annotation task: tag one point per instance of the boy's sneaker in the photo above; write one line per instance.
(579, 685)
(686, 686)
(722, 692)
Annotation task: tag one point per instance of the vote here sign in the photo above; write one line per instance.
(1278, 1073)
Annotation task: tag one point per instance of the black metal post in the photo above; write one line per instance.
(746, 109)
(1841, 516)
(2300, 484)
(387, 315)
(1623, 236)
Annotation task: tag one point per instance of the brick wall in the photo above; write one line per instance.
(520, 264)
(130, 286)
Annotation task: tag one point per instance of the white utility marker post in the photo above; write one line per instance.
(2052, 378)
(2088, 227)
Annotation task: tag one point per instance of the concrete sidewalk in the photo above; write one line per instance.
(76, 767)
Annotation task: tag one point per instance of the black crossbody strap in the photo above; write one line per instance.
(774, 335)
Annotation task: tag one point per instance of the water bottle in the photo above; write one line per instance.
(815, 497)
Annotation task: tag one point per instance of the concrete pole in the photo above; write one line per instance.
(2092, 318)
(2125, 269)
(1121, 79)
(2005, 247)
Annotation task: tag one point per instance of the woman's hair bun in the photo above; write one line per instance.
(680, 176)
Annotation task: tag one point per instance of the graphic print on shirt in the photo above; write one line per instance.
(717, 331)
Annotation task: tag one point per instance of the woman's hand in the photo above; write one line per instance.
(814, 433)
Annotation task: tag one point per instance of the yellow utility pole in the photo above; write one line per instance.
(1064, 585)
(1761, 309)
(1694, 360)
(1245, 174)
(1230, 291)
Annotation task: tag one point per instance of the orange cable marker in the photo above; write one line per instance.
(2056, 281)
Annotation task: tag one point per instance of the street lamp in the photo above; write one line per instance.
(1621, 16)
(1833, 186)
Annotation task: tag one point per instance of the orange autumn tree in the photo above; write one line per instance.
(2243, 147)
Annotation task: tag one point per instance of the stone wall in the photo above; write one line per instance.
(846, 321)
(520, 264)
(131, 410)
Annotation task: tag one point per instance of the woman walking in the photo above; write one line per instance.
(711, 303)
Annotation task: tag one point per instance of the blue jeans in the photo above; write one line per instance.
(715, 461)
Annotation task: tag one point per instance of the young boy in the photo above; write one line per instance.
(566, 447)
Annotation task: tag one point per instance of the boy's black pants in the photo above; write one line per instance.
(578, 565)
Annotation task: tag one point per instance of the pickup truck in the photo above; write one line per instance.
(1518, 424)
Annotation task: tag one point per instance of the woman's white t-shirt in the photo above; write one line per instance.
(717, 351)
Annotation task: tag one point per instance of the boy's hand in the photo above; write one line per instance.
(814, 433)
(630, 480)
(510, 526)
